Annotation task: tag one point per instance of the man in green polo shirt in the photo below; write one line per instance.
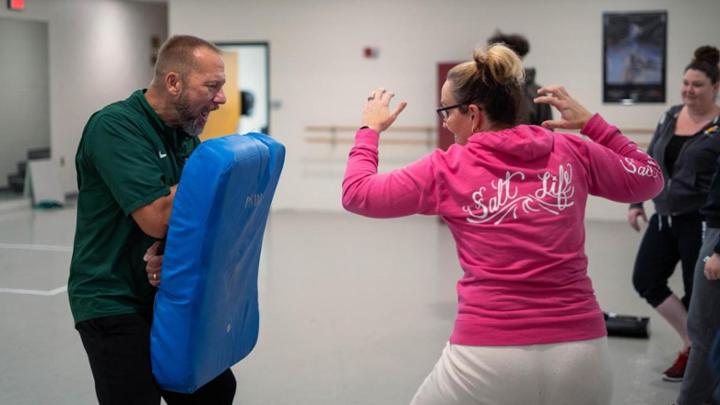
(128, 164)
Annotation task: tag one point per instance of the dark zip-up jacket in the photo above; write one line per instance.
(687, 190)
(711, 210)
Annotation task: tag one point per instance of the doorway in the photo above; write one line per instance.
(24, 100)
(247, 88)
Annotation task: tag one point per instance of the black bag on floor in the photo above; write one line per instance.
(626, 325)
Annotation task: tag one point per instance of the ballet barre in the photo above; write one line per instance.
(334, 138)
(633, 132)
(430, 139)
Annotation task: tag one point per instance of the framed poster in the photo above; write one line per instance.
(634, 57)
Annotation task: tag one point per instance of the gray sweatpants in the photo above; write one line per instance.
(699, 382)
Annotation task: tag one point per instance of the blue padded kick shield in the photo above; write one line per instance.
(206, 309)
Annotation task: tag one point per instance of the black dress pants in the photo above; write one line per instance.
(118, 348)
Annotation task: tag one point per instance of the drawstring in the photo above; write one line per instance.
(660, 222)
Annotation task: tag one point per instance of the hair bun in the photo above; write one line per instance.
(708, 54)
(480, 58)
(501, 63)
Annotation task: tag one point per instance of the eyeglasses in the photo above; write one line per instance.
(444, 112)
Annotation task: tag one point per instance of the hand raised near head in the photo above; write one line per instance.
(573, 115)
(377, 113)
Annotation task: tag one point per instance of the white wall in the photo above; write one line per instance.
(319, 76)
(24, 80)
(100, 49)
(99, 52)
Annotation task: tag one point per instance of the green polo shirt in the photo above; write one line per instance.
(127, 158)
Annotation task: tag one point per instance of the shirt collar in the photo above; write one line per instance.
(164, 128)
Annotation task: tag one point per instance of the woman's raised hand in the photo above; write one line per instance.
(377, 113)
(572, 114)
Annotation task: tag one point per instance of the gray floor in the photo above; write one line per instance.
(353, 311)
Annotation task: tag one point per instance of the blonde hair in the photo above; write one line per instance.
(494, 79)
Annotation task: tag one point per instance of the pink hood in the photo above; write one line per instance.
(524, 142)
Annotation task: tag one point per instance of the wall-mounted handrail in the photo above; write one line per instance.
(430, 135)
(385, 141)
(334, 139)
(642, 131)
(350, 128)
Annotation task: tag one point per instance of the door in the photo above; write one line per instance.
(445, 138)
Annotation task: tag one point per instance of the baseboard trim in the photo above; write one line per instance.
(14, 204)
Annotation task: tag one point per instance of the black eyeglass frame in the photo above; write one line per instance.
(442, 110)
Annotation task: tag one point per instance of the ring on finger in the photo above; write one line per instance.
(154, 276)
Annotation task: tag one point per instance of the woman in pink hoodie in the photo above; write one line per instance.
(528, 329)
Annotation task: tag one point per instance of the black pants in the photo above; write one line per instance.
(118, 348)
(667, 240)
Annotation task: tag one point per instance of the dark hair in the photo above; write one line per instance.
(494, 79)
(177, 54)
(518, 43)
(706, 60)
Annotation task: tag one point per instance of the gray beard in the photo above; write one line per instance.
(192, 128)
(189, 125)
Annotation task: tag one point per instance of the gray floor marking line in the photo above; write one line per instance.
(44, 293)
(47, 248)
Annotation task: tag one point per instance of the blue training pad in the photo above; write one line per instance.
(206, 308)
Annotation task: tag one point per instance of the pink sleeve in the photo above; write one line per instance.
(405, 191)
(618, 170)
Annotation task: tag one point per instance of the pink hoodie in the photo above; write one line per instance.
(514, 201)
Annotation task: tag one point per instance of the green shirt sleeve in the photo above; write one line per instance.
(126, 161)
